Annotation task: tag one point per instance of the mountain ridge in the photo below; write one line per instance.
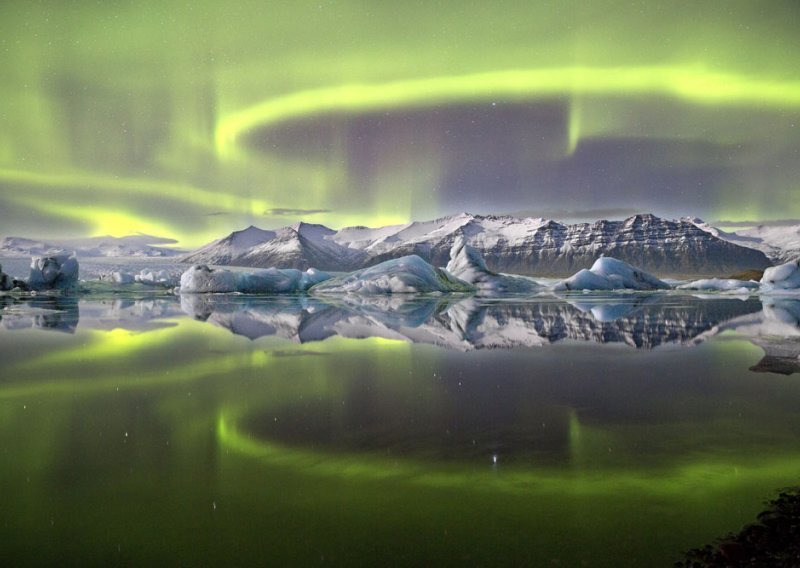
(531, 246)
(129, 246)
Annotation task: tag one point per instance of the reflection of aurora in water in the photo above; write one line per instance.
(164, 417)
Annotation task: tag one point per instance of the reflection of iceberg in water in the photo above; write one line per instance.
(642, 321)
(776, 329)
(65, 313)
(57, 313)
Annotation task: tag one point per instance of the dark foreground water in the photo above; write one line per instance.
(214, 430)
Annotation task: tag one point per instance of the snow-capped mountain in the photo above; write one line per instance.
(301, 246)
(530, 246)
(780, 243)
(133, 245)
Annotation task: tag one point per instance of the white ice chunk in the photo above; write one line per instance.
(57, 271)
(467, 264)
(611, 274)
(585, 279)
(720, 284)
(404, 275)
(122, 277)
(202, 279)
(157, 278)
(782, 277)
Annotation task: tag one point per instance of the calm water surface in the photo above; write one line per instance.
(207, 430)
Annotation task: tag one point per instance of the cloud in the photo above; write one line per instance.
(293, 212)
(580, 214)
(775, 223)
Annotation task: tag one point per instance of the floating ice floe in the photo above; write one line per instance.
(611, 274)
(467, 264)
(721, 285)
(202, 279)
(782, 277)
(404, 275)
(57, 271)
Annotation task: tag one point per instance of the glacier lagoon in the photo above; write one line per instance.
(605, 429)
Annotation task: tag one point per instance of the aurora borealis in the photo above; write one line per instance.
(188, 121)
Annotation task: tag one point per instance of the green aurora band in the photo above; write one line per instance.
(186, 122)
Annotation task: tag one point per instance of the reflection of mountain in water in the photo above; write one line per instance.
(640, 321)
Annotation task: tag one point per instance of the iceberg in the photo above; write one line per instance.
(157, 278)
(611, 274)
(279, 281)
(782, 277)
(6, 283)
(200, 279)
(721, 285)
(121, 278)
(145, 276)
(467, 264)
(58, 271)
(404, 275)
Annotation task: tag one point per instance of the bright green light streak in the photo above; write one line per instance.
(104, 221)
(118, 343)
(692, 84)
(117, 222)
(708, 475)
(134, 380)
(103, 345)
(138, 186)
(575, 120)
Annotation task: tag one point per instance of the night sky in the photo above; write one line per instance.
(191, 119)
